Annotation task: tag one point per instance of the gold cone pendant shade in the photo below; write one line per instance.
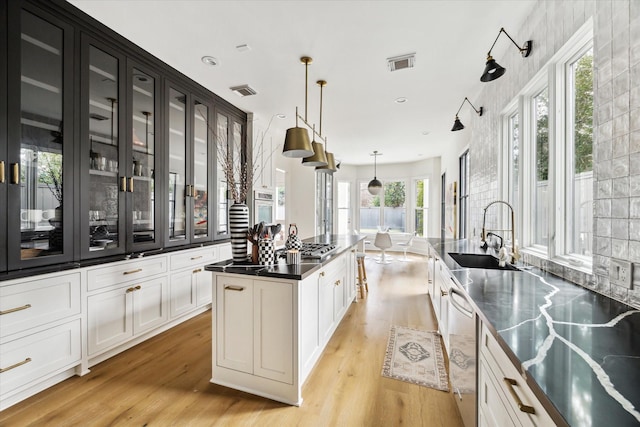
(319, 158)
(296, 143)
(331, 164)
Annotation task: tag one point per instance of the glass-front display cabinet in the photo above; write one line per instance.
(230, 142)
(103, 150)
(118, 145)
(3, 139)
(138, 179)
(188, 176)
(39, 158)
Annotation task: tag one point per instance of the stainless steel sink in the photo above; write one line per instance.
(479, 261)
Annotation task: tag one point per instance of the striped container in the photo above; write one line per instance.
(238, 225)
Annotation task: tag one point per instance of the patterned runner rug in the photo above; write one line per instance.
(415, 356)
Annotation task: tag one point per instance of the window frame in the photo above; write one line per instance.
(555, 76)
(408, 201)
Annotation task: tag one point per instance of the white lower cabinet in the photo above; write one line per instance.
(234, 323)
(254, 327)
(273, 330)
(40, 338)
(504, 397)
(116, 315)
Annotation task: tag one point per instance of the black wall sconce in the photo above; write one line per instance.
(457, 125)
(493, 70)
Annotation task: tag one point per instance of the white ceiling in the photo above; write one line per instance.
(349, 42)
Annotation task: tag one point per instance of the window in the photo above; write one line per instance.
(395, 210)
(344, 207)
(579, 146)
(324, 203)
(540, 192)
(464, 194)
(369, 210)
(386, 210)
(513, 181)
(422, 206)
(551, 155)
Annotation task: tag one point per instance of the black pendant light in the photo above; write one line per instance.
(457, 125)
(492, 69)
(375, 185)
(296, 142)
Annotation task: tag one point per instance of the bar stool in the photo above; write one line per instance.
(362, 274)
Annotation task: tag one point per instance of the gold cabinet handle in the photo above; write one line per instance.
(524, 408)
(137, 288)
(322, 274)
(234, 288)
(2, 172)
(129, 290)
(131, 185)
(443, 293)
(337, 282)
(193, 258)
(137, 270)
(15, 365)
(123, 183)
(197, 270)
(13, 310)
(15, 173)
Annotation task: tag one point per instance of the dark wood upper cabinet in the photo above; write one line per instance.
(40, 125)
(106, 150)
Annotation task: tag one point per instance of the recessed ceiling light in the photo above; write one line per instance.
(210, 60)
(400, 100)
(425, 132)
(281, 116)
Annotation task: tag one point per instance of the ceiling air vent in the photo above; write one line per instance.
(401, 62)
(244, 90)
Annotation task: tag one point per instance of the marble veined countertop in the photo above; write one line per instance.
(581, 349)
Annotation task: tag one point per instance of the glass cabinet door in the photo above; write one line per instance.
(40, 140)
(3, 139)
(177, 178)
(201, 161)
(222, 150)
(140, 178)
(102, 204)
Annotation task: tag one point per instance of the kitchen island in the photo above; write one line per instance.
(271, 323)
(577, 351)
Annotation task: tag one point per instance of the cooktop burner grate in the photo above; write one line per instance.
(313, 250)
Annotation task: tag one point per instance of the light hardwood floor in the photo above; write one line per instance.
(165, 381)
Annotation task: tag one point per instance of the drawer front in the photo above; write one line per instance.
(194, 258)
(36, 356)
(38, 302)
(125, 271)
(335, 266)
(512, 384)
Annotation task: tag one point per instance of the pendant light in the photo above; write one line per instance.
(375, 185)
(319, 157)
(296, 142)
(330, 167)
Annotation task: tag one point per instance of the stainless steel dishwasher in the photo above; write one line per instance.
(463, 353)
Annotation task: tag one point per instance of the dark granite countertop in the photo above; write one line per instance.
(281, 269)
(581, 349)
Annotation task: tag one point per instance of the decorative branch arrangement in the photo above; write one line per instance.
(239, 174)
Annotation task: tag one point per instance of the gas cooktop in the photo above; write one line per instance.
(313, 250)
